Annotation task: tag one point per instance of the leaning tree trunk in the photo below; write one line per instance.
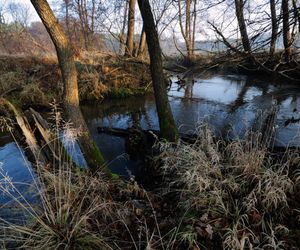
(73, 113)
(286, 30)
(274, 27)
(130, 32)
(167, 124)
(239, 9)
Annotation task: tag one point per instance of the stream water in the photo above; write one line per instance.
(231, 104)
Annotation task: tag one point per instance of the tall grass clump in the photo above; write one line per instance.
(72, 208)
(246, 195)
(77, 209)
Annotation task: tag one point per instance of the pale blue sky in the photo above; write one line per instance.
(27, 3)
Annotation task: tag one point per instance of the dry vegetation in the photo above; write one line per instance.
(236, 194)
(213, 195)
(35, 82)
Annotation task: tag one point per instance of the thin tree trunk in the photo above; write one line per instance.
(296, 13)
(194, 26)
(130, 32)
(274, 27)
(64, 51)
(184, 31)
(122, 35)
(67, 18)
(239, 8)
(286, 30)
(142, 45)
(188, 28)
(167, 124)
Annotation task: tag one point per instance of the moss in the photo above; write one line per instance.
(97, 154)
(115, 177)
(167, 124)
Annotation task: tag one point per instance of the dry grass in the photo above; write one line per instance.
(71, 210)
(98, 76)
(245, 196)
(216, 195)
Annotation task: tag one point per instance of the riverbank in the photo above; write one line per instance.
(213, 193)
(209, 194)
(36, 81)
(258, 63)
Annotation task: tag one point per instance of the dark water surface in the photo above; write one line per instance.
(230, 103)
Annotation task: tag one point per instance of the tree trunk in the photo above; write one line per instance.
(296, 14)
(274, 27)
(73, 113)
(130, 32)
(142, 45)
(67, 18)
(167, 124)
(286, 30)
(194, 26)
(239, 9)
(122, 35)
(188, 30)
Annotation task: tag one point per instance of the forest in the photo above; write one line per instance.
(150, 124)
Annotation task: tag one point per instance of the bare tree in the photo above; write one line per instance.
(130, 28)
(69, 73)
(167, 124)
(122, 33)
(286, 30)
(142, 44)
(274, 24)
(188, 26)
(20, 13)
(239, 10)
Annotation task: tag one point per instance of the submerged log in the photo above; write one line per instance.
(150, 133)
(154, 135)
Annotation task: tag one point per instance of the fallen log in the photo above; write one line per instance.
(26, 130)
(42, 146)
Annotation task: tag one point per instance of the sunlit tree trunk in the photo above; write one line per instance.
(69, 74)
(142, 44)
(130, 32)
(286, 30)
(167, 125)
(274, 27)
(239, 9)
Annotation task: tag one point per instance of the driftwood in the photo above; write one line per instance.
(26, 130)
(44, 147)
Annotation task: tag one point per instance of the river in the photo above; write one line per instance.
(231, 104)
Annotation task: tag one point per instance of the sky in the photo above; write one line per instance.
(33, 15)
(226, 19)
